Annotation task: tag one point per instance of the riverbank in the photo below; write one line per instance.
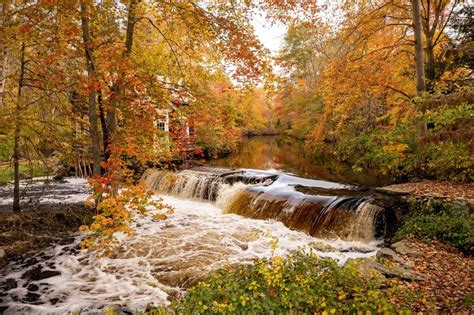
(39, 228)
(447, 190)
(411, 276)
(52, 211)
(163, 259)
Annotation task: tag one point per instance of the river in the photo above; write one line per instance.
(287, 154)
(260, 204)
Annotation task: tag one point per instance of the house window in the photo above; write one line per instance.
(163, 125)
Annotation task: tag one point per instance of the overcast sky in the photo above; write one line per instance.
(270, 35)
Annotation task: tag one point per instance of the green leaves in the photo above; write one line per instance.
(300, 283)
(433, 218)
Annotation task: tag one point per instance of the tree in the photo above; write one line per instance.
(92, 82)
(17, 132)
(419, 60)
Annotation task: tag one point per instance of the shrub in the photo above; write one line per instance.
(299, 283)
(401, 150)
(435, 219)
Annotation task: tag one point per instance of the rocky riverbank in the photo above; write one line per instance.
(36, 229)
(52, 211)
(429, 276)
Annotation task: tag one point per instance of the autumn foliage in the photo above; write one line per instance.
(351, 88)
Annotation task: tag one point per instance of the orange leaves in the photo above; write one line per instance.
(24, 28)
(115, 211)
(356, 71)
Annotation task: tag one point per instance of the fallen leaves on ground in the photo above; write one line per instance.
(441, 189)
(450, 285)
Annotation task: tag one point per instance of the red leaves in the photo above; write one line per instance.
(272, 292)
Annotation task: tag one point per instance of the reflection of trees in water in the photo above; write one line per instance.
(288, 154)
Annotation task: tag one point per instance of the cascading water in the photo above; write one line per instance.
(270, 195)
(215, 224)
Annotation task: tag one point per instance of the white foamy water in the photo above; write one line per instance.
(43, 190)
(159, 260)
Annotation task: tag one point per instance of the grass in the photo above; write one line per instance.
(6, 172)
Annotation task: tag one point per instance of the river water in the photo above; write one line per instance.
(223, 216)
(289, 155)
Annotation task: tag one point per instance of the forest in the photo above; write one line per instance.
(181, 157)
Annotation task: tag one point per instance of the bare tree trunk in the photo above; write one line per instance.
(16, 145)
(91, 74)
(419, 62)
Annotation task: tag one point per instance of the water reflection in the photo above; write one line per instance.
(288, 155)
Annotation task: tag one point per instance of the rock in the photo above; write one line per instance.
(60, 172)
(54, 301)
(387, 253)
(32, 298)
(37, 273)
(404, 248)
(8, 285)
(33, 287)
(374, 269)
(24, 176)
(2, 253)
(366, 268)
(399, 272)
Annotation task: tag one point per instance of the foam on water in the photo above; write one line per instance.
(159, 260)
(43, 190)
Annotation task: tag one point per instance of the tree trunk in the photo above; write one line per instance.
(16, 145)
(419, 63)
(430, 64)
(91, 75)
(116, 91)
(103, 123)
(3, 74)
(4, 52)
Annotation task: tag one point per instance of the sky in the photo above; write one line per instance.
(270, 35)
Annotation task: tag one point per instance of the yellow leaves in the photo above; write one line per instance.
(115, 212)
(244, 299)
(396, 148)
(253, 286)
(341, 295)
(159, 216)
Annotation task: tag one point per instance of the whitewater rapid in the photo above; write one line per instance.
(159, 261)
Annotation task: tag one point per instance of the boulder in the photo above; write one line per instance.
(387, 253)
(370, 268)
(60, 172)
(23, 176)
(404, 248)
(393, 271)
(366, 268)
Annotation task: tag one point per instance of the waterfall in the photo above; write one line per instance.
(269, 195)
